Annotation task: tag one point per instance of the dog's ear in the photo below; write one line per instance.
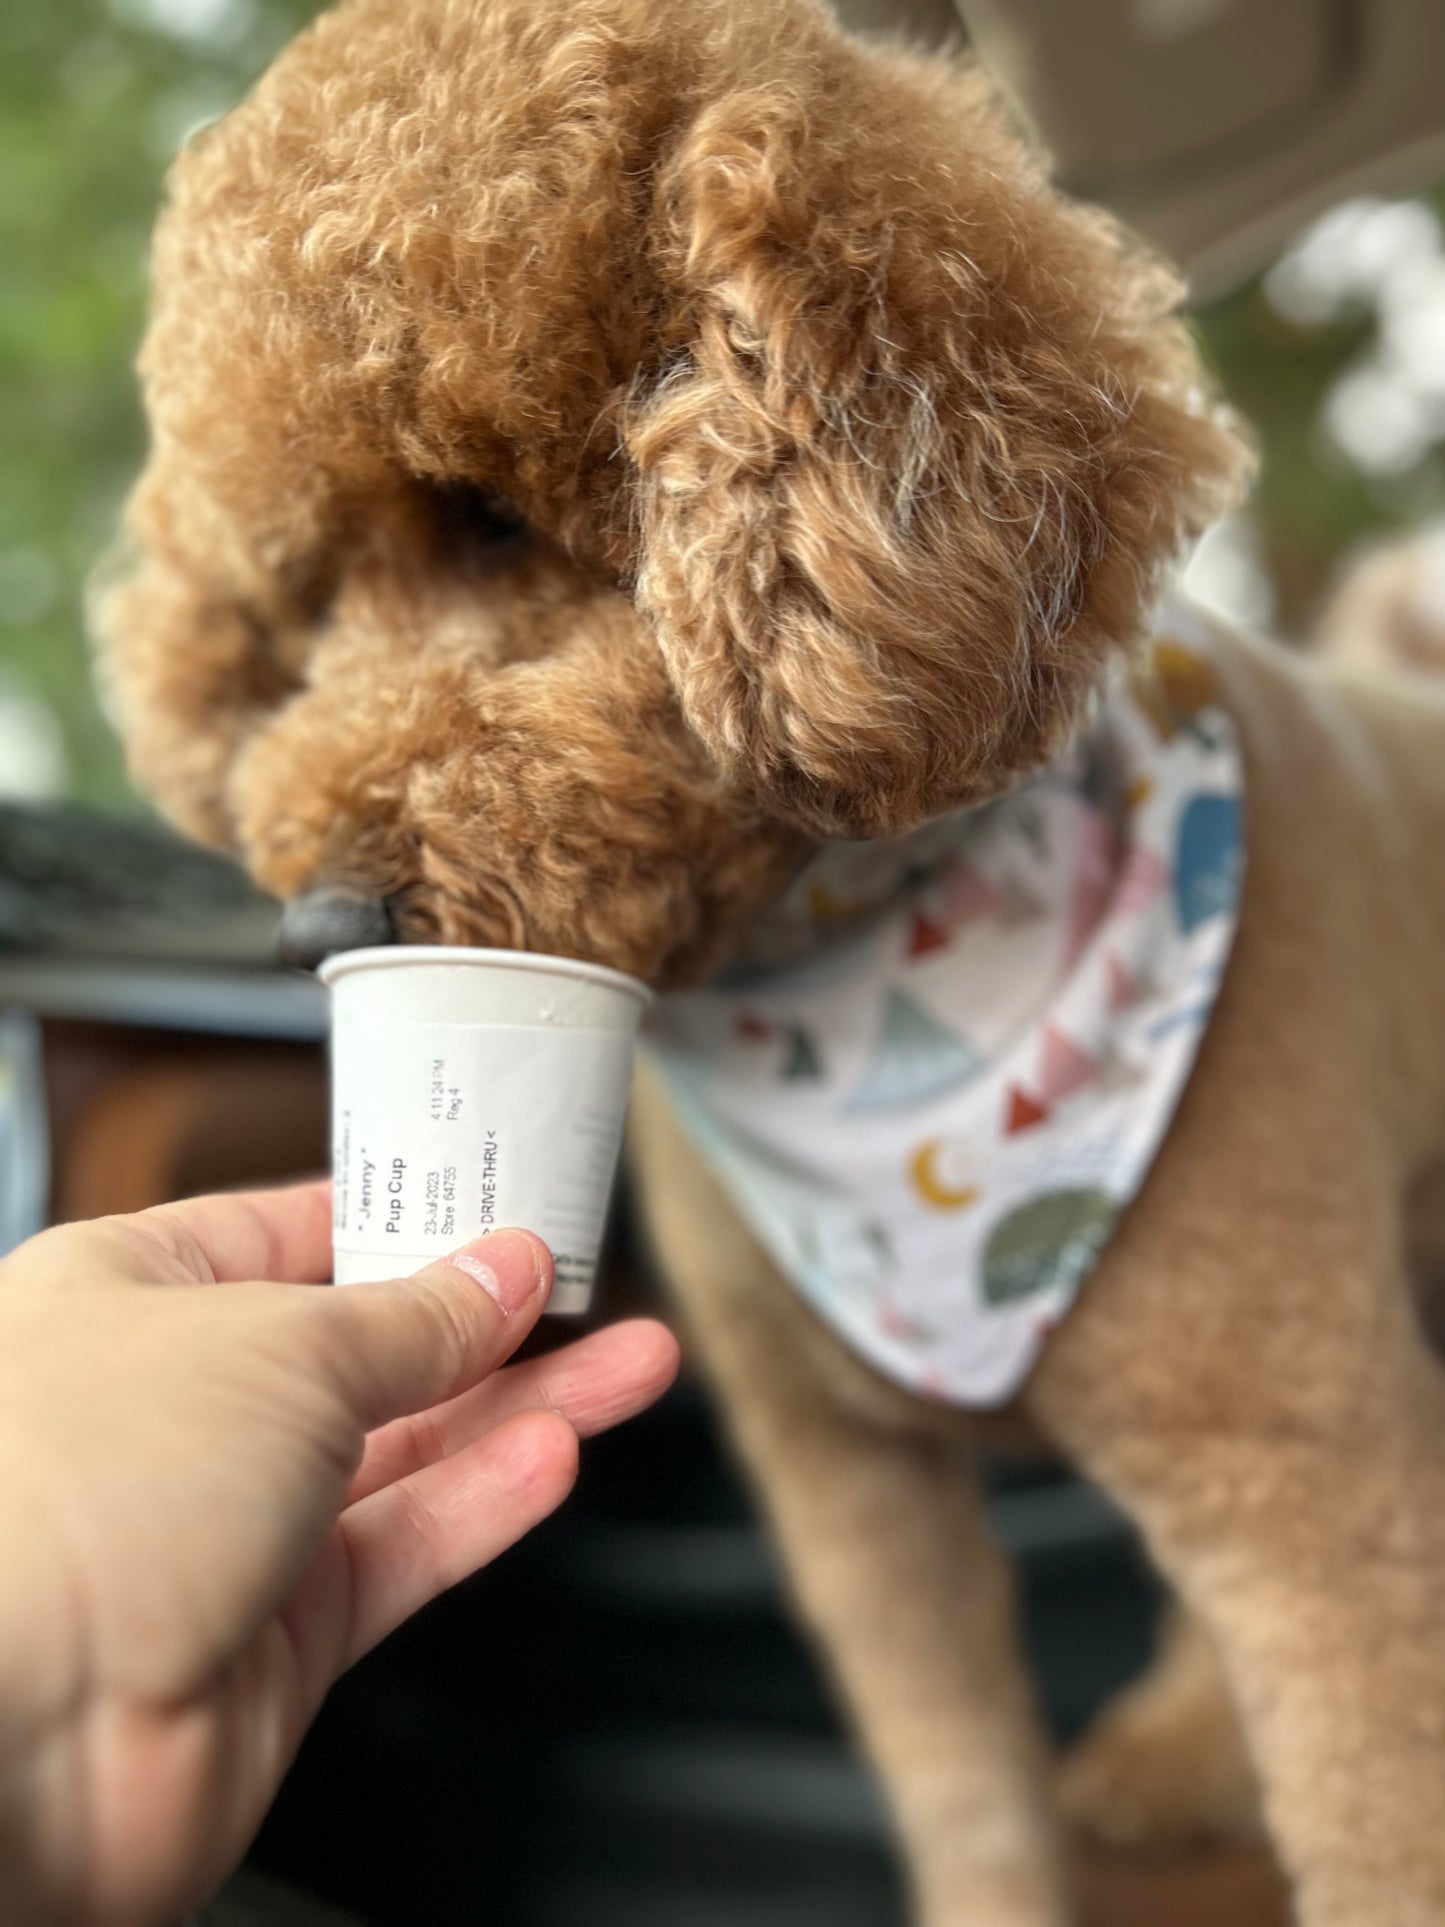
(930, 437)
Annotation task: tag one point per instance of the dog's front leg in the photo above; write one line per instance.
(1294, 1491)
(889, 1556)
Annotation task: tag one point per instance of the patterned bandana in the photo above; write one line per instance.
(947, 1062)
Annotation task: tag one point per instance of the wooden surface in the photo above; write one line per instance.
(138, 1117)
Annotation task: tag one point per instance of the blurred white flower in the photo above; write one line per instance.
(1377, 420)
(1228, 572)
(1412, 325)
(221, 24)
(32, 748)
(1385, 260)
(1348, 257)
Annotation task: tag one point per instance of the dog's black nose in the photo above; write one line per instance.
(316, 925)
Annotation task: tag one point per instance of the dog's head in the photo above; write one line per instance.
(602, 448)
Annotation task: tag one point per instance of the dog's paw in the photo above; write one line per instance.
(1164, 1768)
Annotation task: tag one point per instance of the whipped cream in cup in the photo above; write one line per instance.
(472, 1089)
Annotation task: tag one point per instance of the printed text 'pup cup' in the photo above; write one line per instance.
(473, 1089)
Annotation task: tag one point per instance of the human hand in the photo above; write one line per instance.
(213, 1501)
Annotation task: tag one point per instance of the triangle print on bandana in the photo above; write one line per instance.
(1064, 1068)
(916, 1058)
(967, 1088)
(1023, 1112)
(926, 938)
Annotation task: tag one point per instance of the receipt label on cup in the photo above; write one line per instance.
(442, 1132)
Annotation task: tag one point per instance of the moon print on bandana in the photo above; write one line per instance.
(934, 1120)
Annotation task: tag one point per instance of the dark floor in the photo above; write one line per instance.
(618, 1727)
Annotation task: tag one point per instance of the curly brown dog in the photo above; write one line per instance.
(601, 450)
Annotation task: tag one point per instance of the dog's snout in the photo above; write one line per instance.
(315, 926)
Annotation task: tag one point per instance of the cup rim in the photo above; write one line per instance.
(536, 962)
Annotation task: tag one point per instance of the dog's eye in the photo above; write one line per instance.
(468, 520)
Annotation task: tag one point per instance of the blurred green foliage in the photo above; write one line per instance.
(95, 96)
(1311, 502)
(94, 99)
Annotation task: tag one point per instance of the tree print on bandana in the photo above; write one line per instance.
(960, 1091)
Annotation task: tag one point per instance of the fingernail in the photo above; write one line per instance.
(508, 1268)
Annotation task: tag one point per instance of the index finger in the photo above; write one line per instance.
(283, 1235)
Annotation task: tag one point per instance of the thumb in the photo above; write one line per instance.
(392, 1349)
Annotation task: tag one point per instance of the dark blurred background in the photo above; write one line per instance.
(618, 1724)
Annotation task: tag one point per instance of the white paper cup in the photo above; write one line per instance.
(472, 1089)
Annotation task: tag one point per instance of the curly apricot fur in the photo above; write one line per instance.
(849, 451)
